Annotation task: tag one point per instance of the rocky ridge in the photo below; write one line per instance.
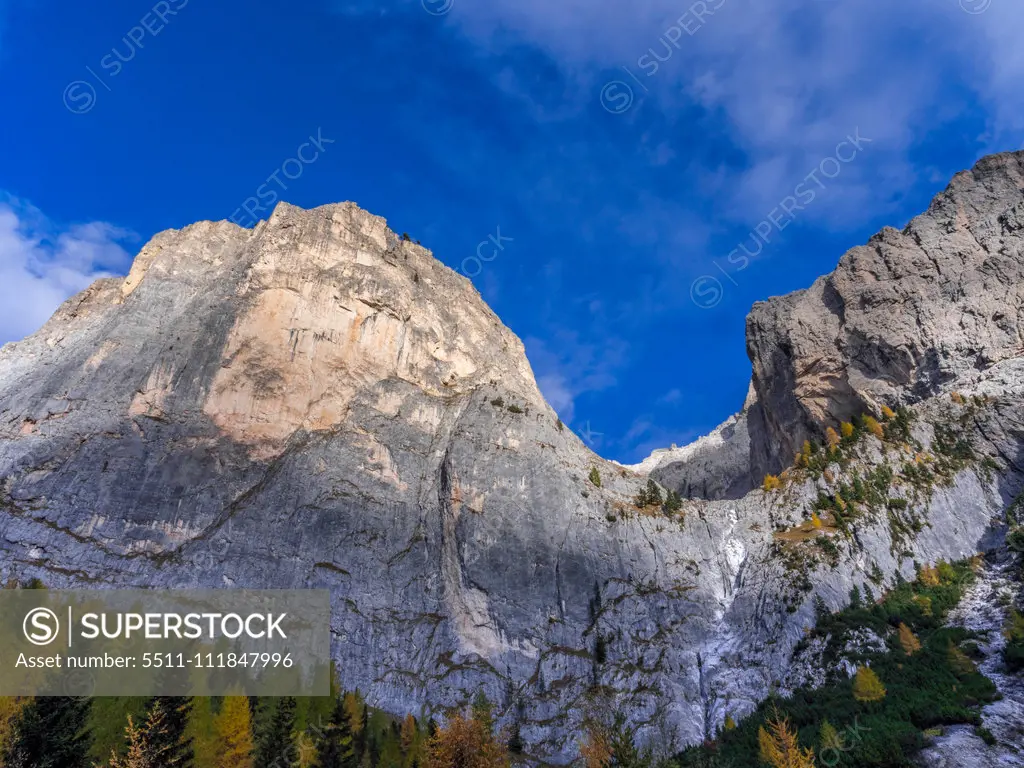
(318, 403)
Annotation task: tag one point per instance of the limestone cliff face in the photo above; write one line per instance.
(316, 403)
(899, 317)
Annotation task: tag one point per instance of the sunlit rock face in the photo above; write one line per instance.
(899, 318)
(319, 403)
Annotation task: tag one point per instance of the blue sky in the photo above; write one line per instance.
(628, 154)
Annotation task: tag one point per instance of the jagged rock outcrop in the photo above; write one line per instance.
(899, 317)
(318, 403)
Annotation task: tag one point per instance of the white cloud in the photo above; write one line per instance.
(566, 368)
(790, 79)
(41, 265)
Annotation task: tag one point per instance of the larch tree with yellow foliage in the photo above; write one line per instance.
(866, 685)
(832, 439)
(908, 640)
(596, 748)
(10, 708)
(959, 661)
(872, 426)
(465, 743)
(779, 747)
(233, 726)
(407, 735)
(929, 576)
(829, 738)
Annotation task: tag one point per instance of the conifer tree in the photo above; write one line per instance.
(10, 709)
(202, 732)
(653, 494)
(277, 745)
(855, 597)
(596, 750)
(908, 640)
(466, 743)
(482, 711)
(829, 738)
(233, 726)
(407, 734)
(832, 439)
(136, 755)
(172, 742)
(866, 685)
(779, 747)
(336, 746)
(959, 661)
(673, 503)
(50, 732)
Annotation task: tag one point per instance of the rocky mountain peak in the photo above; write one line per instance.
(897, 320)
(309, 310)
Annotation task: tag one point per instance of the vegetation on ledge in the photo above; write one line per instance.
(924, 679)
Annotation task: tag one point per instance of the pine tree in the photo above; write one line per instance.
(929, 576)
(866, 685)
(51, 732)
(829, 738)
(653, 494)
(855, 601)
(595, 477)
(673, 503)
(277, 747)
(173, 744)
(233, 726)
(779, 747)
(336, 745)
(908, 640)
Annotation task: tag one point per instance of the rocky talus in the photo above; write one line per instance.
(318, 403)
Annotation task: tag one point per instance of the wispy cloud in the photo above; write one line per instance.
(567, 367)
(42, 264)
(789, 77)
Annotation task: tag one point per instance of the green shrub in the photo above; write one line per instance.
(1015, 539)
